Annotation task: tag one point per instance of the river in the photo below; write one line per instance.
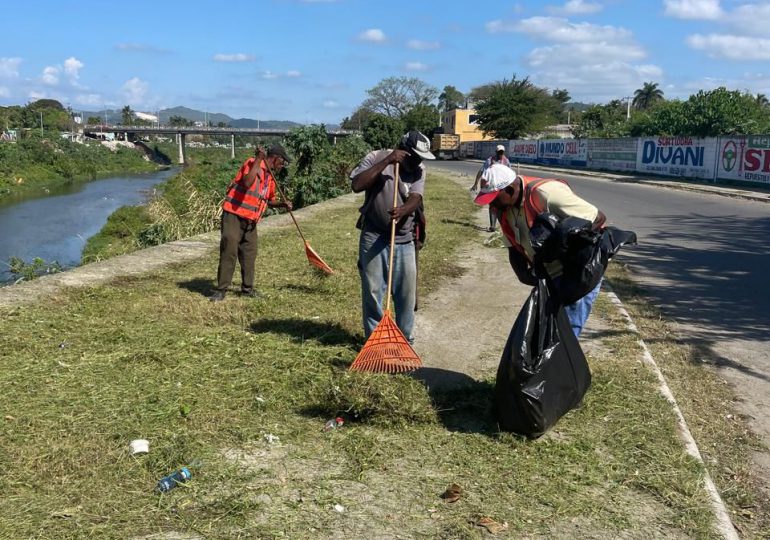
(55, 226)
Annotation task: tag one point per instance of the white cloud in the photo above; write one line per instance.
(561, 30)
(134, 90)
(373, 35)
(731, 47)
(51, 75)
(35, 95)
(576, 7)
(751, 18)
(72, 67)
(330, 104)
(237, 57)
(415, 66)
(89, 99)
(9, 67)
(693, 9)
(592, 61)
(291, 74)
(4, 92)
(140, 47)
(419, 45)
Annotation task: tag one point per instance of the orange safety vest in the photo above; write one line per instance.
(249, 203)
(531, 208)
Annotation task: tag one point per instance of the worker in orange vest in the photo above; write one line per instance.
(249, 195)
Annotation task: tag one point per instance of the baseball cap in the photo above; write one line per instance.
(493, 179)
(417, 143)
(500, 148)
(278, 150)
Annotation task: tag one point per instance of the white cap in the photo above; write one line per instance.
(494, 178)
(500, 148)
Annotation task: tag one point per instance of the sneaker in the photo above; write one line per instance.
(218, 296)
(252, 293)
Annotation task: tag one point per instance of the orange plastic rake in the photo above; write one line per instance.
(312, 257)
(387, 350)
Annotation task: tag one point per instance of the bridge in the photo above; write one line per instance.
(181, 133)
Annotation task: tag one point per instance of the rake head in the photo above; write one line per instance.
(316, 260)
(386, 350)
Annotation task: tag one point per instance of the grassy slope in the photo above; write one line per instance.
(151, 357)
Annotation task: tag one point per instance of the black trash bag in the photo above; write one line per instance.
(543, 372)
(583, 252)
(585, 262)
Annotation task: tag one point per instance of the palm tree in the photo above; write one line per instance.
(762, 101)
(127, 115)
(646, 96)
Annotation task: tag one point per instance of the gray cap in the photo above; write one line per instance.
(278, 150)
(418, 144)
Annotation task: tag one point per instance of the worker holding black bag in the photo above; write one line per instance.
(543, 372)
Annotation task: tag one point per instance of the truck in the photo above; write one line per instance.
(445, 146)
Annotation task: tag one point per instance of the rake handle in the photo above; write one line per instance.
(392, 240)
(283, 196)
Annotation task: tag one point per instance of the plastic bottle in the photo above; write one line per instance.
(167, 483)
(334, 423)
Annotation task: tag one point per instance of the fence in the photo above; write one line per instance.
(744, 158)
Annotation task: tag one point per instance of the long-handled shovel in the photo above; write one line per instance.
(312, 257)
(387, 350)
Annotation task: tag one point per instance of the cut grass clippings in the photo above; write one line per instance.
(241, 390)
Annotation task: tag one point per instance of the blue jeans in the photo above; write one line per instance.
(578, 312)
(373, 252)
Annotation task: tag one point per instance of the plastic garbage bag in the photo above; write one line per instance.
(543, 372)
(583, 252)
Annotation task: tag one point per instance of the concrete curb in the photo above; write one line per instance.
(724, 525)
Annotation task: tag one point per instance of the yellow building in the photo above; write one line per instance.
(462, 122)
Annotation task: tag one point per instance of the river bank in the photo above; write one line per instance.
(40, 165)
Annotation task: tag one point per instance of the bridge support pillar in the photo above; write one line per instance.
(232, 146)
(334, 141)
(181, 137)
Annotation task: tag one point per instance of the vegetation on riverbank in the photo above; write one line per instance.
(242, 389)
(189, 203)
(36, 163)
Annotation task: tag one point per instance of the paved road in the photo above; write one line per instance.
(706, 260)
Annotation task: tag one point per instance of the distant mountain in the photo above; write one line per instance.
(116, 116)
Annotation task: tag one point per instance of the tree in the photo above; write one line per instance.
(603, 121)
(647, 96)
(423, 118)
(395, 96)
(383, 131)
(450, 98)
(762, 101)
(358, 119)
(179, 121)
(126, 115)
(515, 108)
(93, 120)
(308, 144)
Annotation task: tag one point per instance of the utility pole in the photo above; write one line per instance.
(41, 123)
(628, 107)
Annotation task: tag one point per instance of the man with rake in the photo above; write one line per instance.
(251, 192)
(375, 175)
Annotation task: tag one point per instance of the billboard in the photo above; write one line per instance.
(744, 158)
(612, 154)
(571, 152)
(525, 151)
(689, 157)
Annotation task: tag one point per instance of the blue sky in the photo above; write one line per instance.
(313, 60)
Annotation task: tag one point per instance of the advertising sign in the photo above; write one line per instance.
(525, 151)
(612, 154)
(689, 157)
(745, 158)
(571, 152)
